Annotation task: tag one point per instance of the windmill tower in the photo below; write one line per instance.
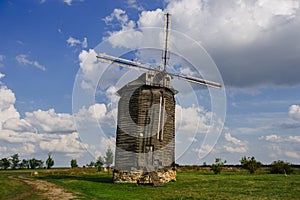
(145, 141)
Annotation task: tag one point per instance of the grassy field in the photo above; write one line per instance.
(189, 185)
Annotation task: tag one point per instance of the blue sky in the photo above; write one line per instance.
(47, 62)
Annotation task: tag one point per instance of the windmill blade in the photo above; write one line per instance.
(197, 80)
(137, 66)
(123, 62)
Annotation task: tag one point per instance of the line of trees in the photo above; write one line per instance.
(14, 162)
(252, 165)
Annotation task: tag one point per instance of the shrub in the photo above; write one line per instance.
(281, 167)
(217, 166)
(250, 164)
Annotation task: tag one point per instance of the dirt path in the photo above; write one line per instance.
(47, 190)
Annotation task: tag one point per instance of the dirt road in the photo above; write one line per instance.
(46, 190)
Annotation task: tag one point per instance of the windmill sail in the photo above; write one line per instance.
(139, 66)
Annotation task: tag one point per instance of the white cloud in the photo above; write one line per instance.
(235, 145)
(264, 39)
(204, 149)
(73, 41)
(68, 2)
(84, 43)
(134, 4)
(25, 149)
(40, 131)
(7, 109)
(151, 18)
(234, 140)
(66, 143)
(238, 149)
(20, 137)
(192, 119)
(273, 138)
(22, 58)
(294, 138)
(50, 122)
(2, 75)
(91, 69)
(277, 138)
(119, 16)
(292, 154)
(18, 125)
(97, 113)
(294, 112)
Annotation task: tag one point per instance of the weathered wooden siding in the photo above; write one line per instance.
(139, 141)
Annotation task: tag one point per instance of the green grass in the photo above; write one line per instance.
(12, 188)
(189, 185)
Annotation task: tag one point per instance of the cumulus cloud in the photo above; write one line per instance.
(18, 125)
(7, 108)
(66, 143)
(90, 68)
(262, 49)
(39, 131)
(50, 122)
(23, 59)
(235, 145)
(294, 112)
(192, 119)
(294, 121)
(119, 16)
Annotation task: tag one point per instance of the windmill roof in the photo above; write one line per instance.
(150, 78)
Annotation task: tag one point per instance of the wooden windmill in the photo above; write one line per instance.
(145, 139)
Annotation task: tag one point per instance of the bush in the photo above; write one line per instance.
(218, 166)
(281, 167)
(250, 164)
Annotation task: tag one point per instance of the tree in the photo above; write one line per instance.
(24, 164)
(15, 161)
(250, 164)
(34, 163)
(281, 167)
(218, 166)
(109, 158)
(74, 163)
(4, 163)
(92, 164)
(99, 163)
(49, 162)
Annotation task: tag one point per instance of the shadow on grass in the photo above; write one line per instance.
(98, 179)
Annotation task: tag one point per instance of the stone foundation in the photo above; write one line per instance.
(141, 177)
